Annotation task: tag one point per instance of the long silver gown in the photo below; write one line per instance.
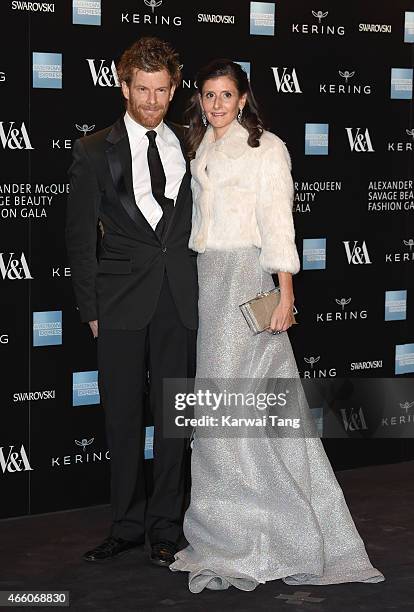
(262, 507)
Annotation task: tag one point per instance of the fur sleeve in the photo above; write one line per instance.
(274, 211)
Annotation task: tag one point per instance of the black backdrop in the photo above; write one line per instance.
(317, 66)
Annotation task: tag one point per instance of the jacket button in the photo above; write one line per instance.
(164, 249)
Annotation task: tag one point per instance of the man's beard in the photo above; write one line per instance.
(148, 120)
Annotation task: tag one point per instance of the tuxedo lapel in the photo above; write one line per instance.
(120, 164)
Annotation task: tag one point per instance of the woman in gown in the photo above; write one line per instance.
(263, 506)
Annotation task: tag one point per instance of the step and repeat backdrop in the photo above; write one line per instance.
(335, 82)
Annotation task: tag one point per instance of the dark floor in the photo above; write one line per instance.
(44, 552)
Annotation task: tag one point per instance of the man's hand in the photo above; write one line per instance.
(94, 328)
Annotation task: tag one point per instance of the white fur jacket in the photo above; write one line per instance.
(243, 196)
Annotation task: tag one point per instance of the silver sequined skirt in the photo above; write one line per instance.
(262, 507)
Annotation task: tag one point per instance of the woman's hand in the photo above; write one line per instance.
(282, 317)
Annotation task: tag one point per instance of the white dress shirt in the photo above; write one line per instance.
(172, 160)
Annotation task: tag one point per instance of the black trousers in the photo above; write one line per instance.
(166, 349)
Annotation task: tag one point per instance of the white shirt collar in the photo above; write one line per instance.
(138, 131)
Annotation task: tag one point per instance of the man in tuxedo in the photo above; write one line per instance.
(138, 293)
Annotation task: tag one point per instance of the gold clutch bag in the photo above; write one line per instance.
(258, 311)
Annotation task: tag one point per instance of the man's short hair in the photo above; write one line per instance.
(150, 54)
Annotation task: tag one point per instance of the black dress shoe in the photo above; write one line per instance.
(111, 547)
(162, 553)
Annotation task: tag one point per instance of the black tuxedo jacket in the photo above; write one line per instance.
(117, 280)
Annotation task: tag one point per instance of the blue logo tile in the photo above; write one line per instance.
(316, 138)
(47, 328)
(262, 18)
(409, 27)
(395, 305)
(404, 358)
(149, 442)
(314, 254)
(85, 388)
(401, 83)
(47, 70)
(86, 12)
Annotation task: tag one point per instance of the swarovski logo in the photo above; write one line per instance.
(360, 142)
(13, 137)
(35, 7)
(84, 443)
(356, 254)
(208, 18)
(14, 461)
(14, 269)
(84, 128)
(103, 75)
(286, 82)
(353, 420)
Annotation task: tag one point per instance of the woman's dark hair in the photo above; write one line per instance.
(250, 119)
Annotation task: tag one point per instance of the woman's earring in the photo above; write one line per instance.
(240, 115)
(204, 118)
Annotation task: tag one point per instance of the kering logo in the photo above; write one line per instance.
(341, 315)
(2, 77)
(151, 18)
(15, 269)
(409, 243)
(353, 419)
(84, 457)
(319, 28)
(13, 137)
(317, 372)
(286, 82)
(345, 88)
(401, 257)
(4, 339)
(360, 142)
(14, 461)
(403, 146)
(84, 128)
(401, 419)
(84, 443)
(357, 254)
(103, 75)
